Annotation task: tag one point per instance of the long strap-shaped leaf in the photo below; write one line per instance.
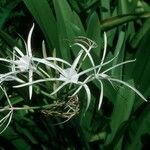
(44, 17)
(5, 11)
(110, 23)
(10, 41)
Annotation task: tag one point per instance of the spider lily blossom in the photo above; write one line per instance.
(100, 76)
(72, 74)
(103, 76)
(28, 63)
(22, 63)
(86, 44)
(25, 61)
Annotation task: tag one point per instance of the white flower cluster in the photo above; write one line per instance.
(70, 74)
(26, 65)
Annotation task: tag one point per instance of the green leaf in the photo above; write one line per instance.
(132, 5)
(141, 33)
(139, 128)
(44, 17)
(120, 47)
(15, 100)
(140, 70)
(94, 33)
(69, 26)
(112, 22)
(5, 12)
(25, 132)
(121, 113)
(17, 140)
(105, 5)
(123, 7)
(75, 5)
(87, 118)
(8, 39)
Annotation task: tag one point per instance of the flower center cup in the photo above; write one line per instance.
(70, 75)
(24, 63)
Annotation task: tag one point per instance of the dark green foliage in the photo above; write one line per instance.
(123, 122)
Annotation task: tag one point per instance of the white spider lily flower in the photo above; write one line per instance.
(100, 76)
(22, 63)
(25, 61)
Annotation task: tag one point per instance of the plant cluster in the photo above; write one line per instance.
(75, 82)
(68, 75)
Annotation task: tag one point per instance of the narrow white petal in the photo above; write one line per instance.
(45, 62)
(76, 61)
(81, 85)
(18, 51)
(58, 59)
(101, 95)
(4, 119)
(88, 93)
(105, 47)
(29, 50)
(128, 85)
(14, 78)
(85, 41)
(37, 81)
(30, 80)
(80, 45)
(5, 60)
(87, 53)
(7, 74)
(13, 64)
(120, 64)
(88, 70)
(104, 52)
(59, 88)
(109, 61)
(7, 98)
(9, 120)
(44, 49)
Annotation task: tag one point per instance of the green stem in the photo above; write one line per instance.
(7, 108)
